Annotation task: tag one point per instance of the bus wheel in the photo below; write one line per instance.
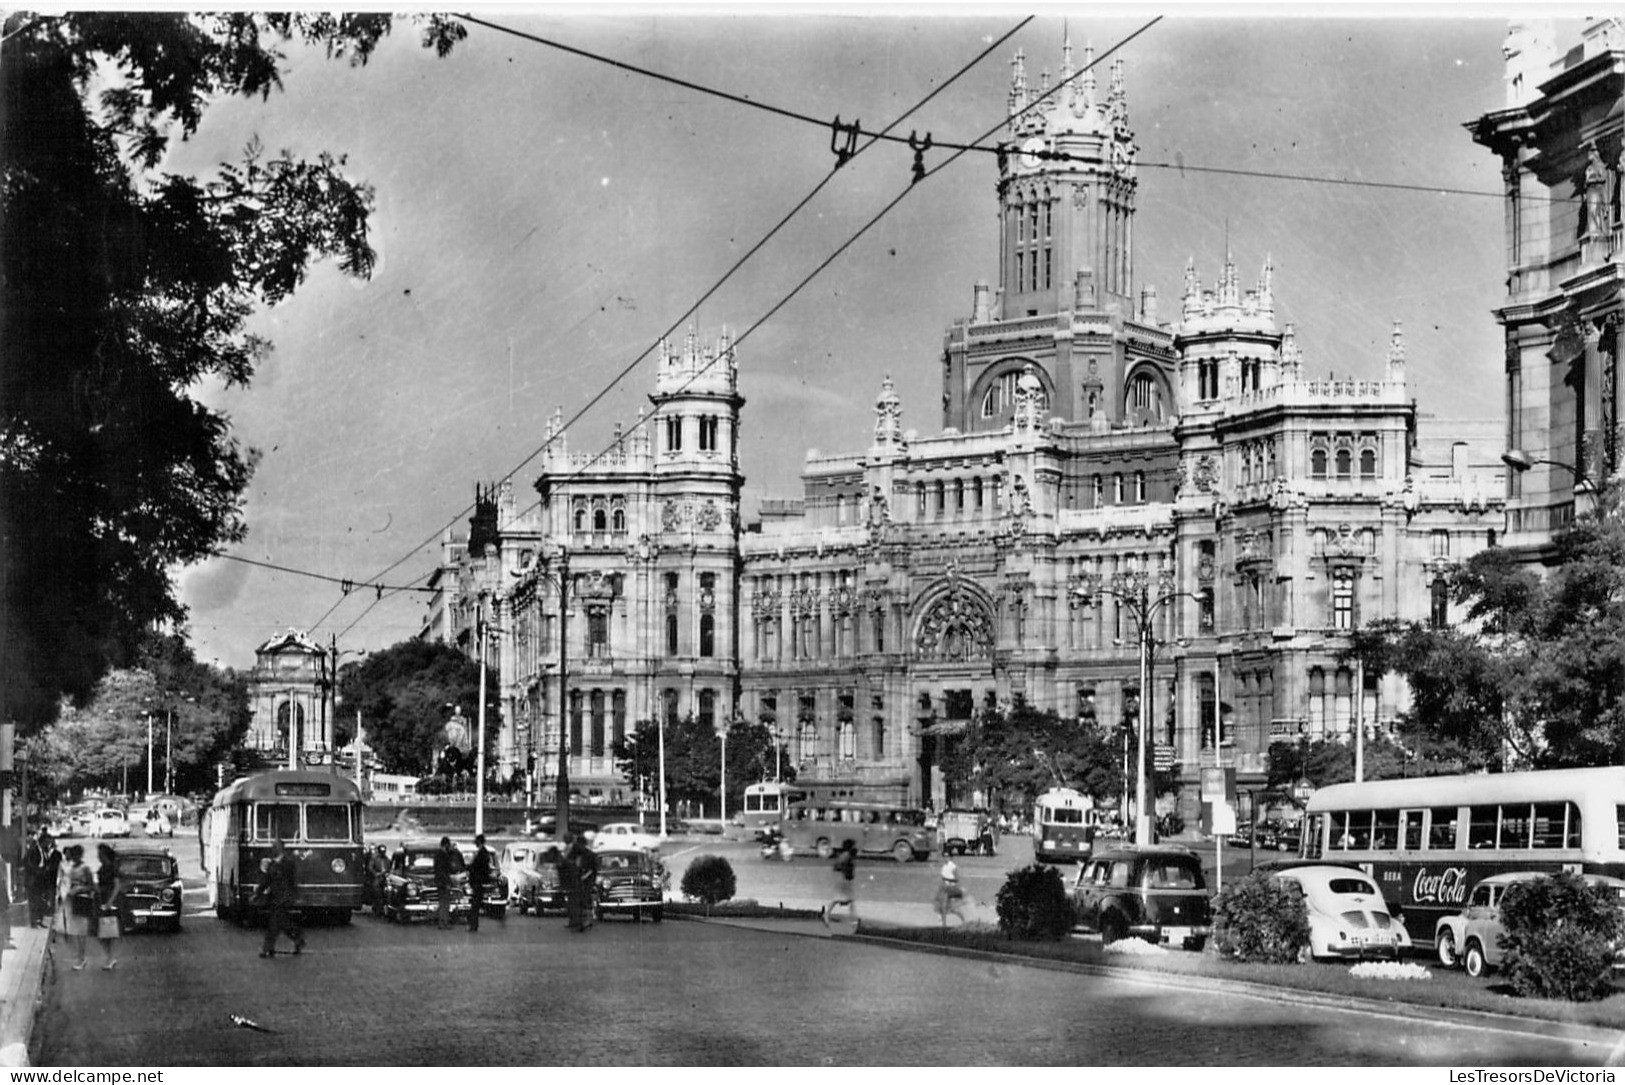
(344, 915)
(1474, 961)
(1449, 955)
(657, 914)
(824, 848)
(902, 851)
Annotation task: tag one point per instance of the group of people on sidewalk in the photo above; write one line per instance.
(63, 891)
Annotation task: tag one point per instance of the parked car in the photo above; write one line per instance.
(494, 902)
(1278, 835)
(624, 834)
(410, 891)
(1471, 938)
(631, 880)
(1157, 893)
(157, 822)
(152, 892)
(1348, 918)
(532, 870)
(108, 822)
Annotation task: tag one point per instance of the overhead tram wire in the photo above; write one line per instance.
(960, 152)
(678, 323)
(1053, 156)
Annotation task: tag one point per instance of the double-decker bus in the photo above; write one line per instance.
(1426, 842)
(820, 826)
(1064, 825)
(765, 806)
(317, 816)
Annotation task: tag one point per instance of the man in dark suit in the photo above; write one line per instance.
(479, 876)
(279, 888)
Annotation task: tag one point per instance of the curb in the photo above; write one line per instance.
(33, 964)
(1533, 1026)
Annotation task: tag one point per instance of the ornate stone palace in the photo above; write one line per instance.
(1559, 139)
(1093, 456)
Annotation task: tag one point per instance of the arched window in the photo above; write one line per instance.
(1317, 463)
(600, 520)
(708, 629)
(1368, 463)
(618, 520)
(1145, 398)
(597, 703)
(1117, 489)
(581, 519)
(1345, 463)
(1097, 491)
(671, 633)
(708, 709)
(1139, 487)
(809, 740)
(849, 741)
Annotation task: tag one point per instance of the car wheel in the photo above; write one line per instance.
(657, 914)
(1474, 961)
(824, 848)
(637, 915)
(903, 851)
(1112, 929)
(1449, 954)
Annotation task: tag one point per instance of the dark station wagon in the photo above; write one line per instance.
(1156, 893)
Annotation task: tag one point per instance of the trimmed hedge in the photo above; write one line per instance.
(710, 880)
(1033, 905)
(1260, 918)
(1559, 935)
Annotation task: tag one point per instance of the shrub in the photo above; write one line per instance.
(1260, 918)
(710, 879)
(1033, 905)
(1559, 935)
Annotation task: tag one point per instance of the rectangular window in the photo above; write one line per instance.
(708, 640)
(708, 433)
(597, 701)
(327, 822)
(617, 718)
(1442, 821)
(674, 435)
(1551, 819)
(276, 820)
(1343, 599)
(1410, 830)
(1021, 269)
(668, 706)
(575, 723)
(598, 632)
(1385, 830)
(1482, 822)
(1515, 826)
(1359, 831)
(708, 709)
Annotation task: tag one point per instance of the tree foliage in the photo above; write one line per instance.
(403, 694)
(1559, 935)
(1541, 681)
(1018, 755)
(103, 743)
(122, 288)
(694, 759)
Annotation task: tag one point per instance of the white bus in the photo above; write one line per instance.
(1064, 825)
(1427, 841)
(765, 806)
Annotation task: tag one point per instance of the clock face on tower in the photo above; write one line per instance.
(1030, 151)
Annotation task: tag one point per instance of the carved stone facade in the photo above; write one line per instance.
(1561, 138)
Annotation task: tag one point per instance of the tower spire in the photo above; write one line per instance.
(1088, 79)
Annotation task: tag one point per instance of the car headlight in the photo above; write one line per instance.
(167, 896)
(338, 866)
(412, 889)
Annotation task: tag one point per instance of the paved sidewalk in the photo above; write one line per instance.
(22, 980)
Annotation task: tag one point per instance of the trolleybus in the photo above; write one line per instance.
(1063, 826)
(765, 805)
(317, 816)
(1427, 841)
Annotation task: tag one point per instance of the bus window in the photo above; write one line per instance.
(1314, 828)
(276, 820)
(1410, 830)
(1515, 826)
(1442, 828)
(1619, 820)
(1359, 829)
(1337, 830)
(1481, 826)
(327, 821)
(1385, 830)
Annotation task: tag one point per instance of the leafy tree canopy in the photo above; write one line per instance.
(405, 695)
(122, 288)
(1542, 682)
(694, 760)
(98, 743)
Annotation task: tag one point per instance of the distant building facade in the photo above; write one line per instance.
(1559, 139)
(1088, 446)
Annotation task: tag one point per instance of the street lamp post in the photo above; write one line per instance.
(1520, 461)
(149, 754)
(1143, 596)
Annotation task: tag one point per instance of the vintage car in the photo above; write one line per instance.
(630, 880)
(1348, 918)
(959, 831)
(108, 822)
(152, 892)
(494, 902)
(410, 892)
(1471, 938)
(155, 821)
(532, 870)
(1156, 893)
(624, 834)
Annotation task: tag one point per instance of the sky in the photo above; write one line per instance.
(543, 217)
